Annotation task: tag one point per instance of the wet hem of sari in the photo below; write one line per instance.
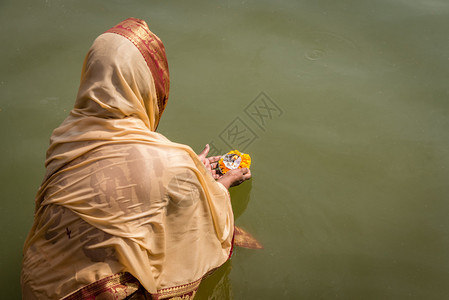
(123, 286)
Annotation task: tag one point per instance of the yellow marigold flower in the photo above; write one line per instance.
(246, 161)
(234, 160)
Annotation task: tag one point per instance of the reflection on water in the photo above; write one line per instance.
(218, 285)
(349, 189)
(240, 198)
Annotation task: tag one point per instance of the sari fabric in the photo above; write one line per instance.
(117, 197)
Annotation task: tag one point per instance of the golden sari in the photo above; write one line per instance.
(123, 212)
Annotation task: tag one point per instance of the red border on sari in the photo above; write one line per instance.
(152, 50)
(118, 286)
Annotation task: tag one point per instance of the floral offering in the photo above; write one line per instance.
(234, 160)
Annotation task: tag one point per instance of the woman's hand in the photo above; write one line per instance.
(231, 178)
(211, 163)
(234, 177)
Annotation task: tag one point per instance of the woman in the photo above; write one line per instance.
(123, 212)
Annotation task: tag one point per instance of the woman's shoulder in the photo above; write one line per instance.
(171, 153)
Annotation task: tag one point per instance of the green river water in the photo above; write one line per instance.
(343, 106)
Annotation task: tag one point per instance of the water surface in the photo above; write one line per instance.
(350, 171)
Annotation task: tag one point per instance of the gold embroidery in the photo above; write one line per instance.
(179, 290)
(120, 285)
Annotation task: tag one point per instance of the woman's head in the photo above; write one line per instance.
(125, 74)
(123, 92)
